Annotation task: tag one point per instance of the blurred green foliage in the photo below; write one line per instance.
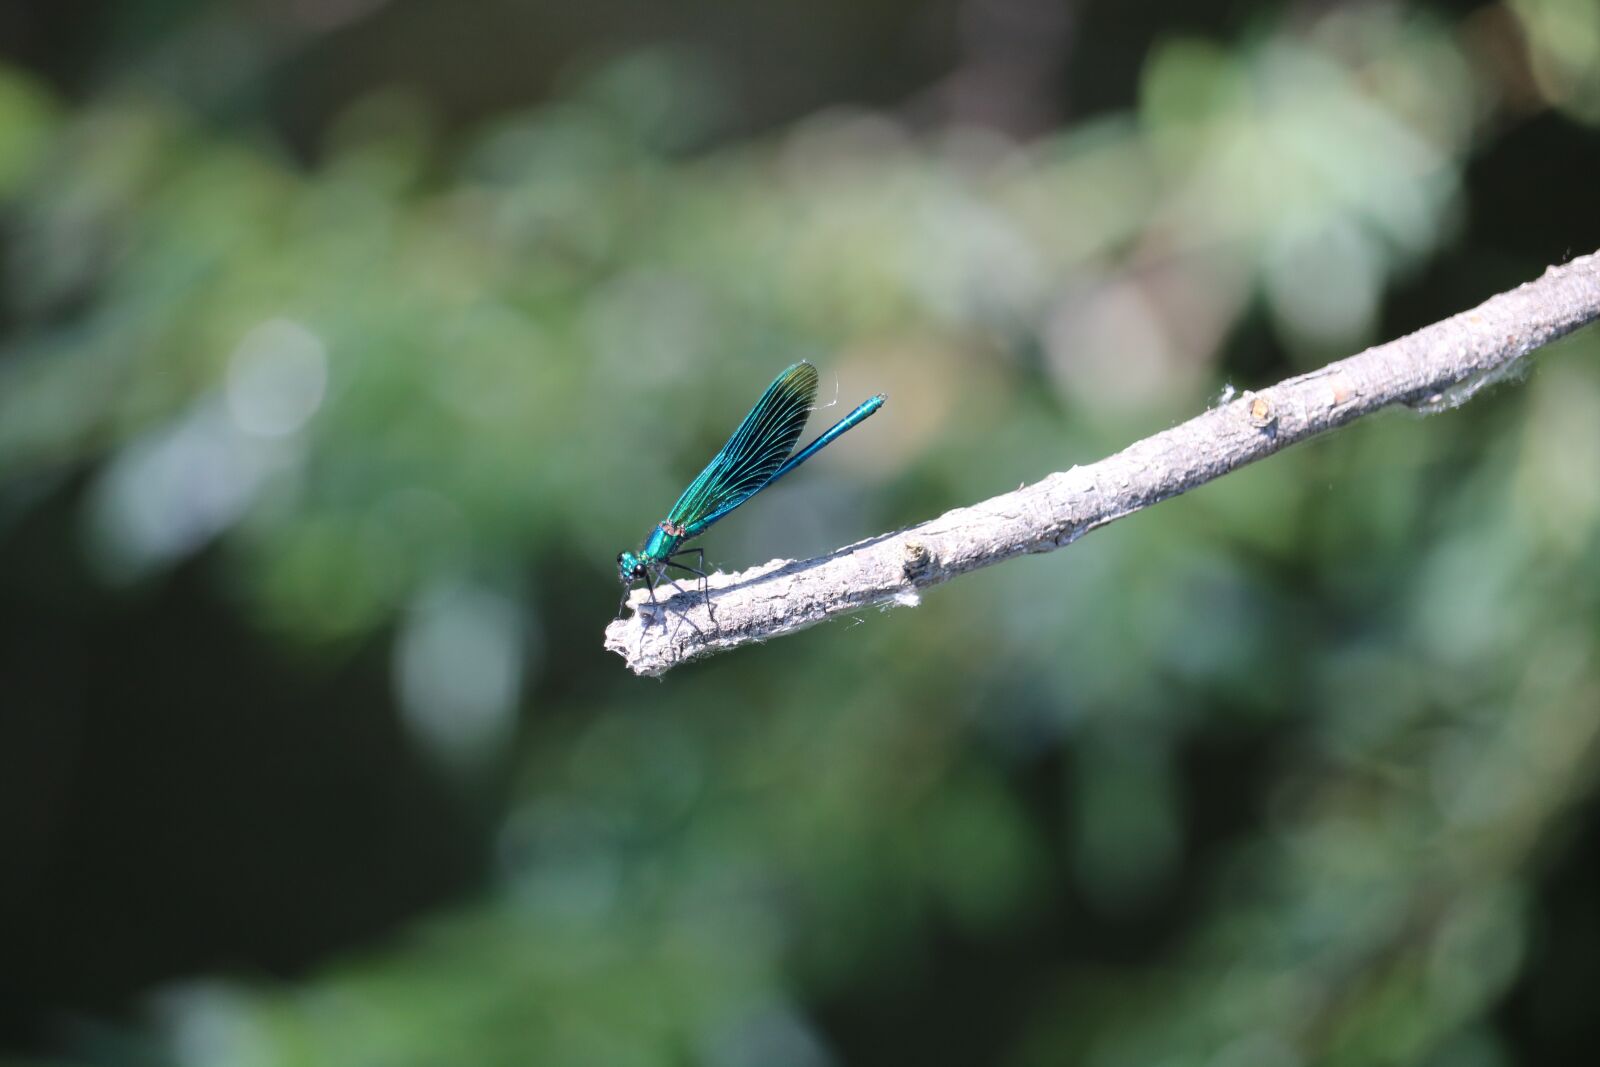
(418, 392)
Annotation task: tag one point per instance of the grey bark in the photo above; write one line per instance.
(1435, 368)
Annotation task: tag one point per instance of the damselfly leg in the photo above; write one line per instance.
(699, 572)
(627, 591)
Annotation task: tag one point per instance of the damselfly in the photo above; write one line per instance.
(755, 456)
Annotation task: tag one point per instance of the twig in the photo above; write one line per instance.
(1438, 367)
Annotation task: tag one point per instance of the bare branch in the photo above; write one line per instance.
(1438, 367)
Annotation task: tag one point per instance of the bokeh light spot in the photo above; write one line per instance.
(276, 378)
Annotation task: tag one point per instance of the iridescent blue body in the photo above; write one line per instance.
(757, 455)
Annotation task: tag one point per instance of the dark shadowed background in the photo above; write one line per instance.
(344, 343)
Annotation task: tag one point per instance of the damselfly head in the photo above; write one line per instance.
(629, 567)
